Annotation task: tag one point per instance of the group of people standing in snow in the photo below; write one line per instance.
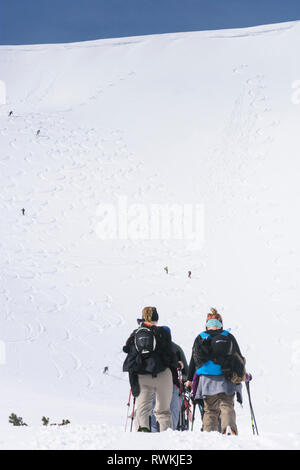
(157, 367)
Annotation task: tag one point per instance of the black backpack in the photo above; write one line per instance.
(221, 345)
(145, 341)
(233, 365)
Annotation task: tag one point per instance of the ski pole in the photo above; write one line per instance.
(132, 416)
(181, 414)
(201, 408)
(252, 411)
(194, 412)
(127, 411)
(253, 420)
(189, 416)
(198, 402)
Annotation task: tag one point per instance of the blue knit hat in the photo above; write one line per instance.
(214, 319)
(214, 322)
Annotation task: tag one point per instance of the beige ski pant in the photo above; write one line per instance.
(162, 386)
(219, 406)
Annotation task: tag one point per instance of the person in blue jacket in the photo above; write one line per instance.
(214, 374)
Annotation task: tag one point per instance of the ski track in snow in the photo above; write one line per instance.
(74, 152)
(69, 301)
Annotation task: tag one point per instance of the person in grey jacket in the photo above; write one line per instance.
(214, 386)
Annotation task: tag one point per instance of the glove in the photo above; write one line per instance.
(239, 398)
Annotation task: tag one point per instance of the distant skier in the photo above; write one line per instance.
(166, 269)
(105, 370)
(23, 211)
(10, 113)
(38, 132)
(190, 274)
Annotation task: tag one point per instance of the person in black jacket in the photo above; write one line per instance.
(150, 373)
(217, 374)
(175, 402)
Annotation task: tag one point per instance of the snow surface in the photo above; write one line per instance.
(203, 118)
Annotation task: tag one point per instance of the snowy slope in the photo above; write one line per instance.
(203, 119)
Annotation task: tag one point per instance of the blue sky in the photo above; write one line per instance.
(53, 21)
